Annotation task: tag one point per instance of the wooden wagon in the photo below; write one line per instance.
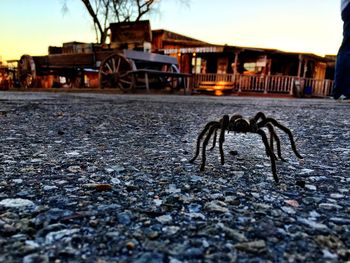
(125, 63)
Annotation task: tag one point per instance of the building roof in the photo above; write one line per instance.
(169, 36)
(194, 45)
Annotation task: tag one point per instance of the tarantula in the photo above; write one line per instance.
(240, 125)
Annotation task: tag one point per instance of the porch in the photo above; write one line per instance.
(277, 84)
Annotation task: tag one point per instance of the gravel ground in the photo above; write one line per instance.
(107, 178)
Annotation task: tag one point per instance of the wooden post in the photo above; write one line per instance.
(305, 68)
(269, 65)
(187, 85)
(266, 83)
(292, 83)
(300, 65)
(240, 84)
(235, 63)
(147, 84)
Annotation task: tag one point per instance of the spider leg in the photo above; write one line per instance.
(273, 136)
(268, 149)
(224, 126)
(271, 140)
(200, 136)
(214, 140)
(283, 128)
(205, 143)
(254, 121)
(259, 115)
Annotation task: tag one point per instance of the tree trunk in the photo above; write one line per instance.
(103, 34)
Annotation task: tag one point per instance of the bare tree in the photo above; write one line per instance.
(104, 12)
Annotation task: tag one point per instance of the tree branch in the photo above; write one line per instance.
(143, 7)
(104, 12)
(94, 16)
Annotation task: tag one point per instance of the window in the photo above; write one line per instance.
(252, 68)
(196, 65)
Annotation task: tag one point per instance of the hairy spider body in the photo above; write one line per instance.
(238, 124)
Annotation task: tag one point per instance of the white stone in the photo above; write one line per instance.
(329, 206)
(172, 189)
(49, 187)
(52, 237)
(288, 210)
(337, 196)
(306, 171)
(314, 214)
(115, 181)
(32, 244)
(17, 181)
(196, 178)
(216, 206)
(165, 219)
(311, 223)
(16, 203)
(157, 202)
(171, 230)
(72, 153)
(196, 216)
(311, 187)
(74, 168)
(328, 254)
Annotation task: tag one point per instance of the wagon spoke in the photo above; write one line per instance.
(113, 64)
(109, 67)
(118, 66)
(115, 73)
(125, 81)
(125, 75)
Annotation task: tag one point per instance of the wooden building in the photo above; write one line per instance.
(215, 63)
(196, 57)
(214, 67)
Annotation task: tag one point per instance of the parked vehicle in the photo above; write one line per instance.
(125, 63)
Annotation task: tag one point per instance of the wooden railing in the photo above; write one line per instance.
(269, 84)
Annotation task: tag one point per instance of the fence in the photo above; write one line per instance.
(269, 84)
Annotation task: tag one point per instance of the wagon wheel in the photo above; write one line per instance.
(26, 71)
(115, 71)
(171, 82)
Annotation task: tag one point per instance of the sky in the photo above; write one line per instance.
(312, 26)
